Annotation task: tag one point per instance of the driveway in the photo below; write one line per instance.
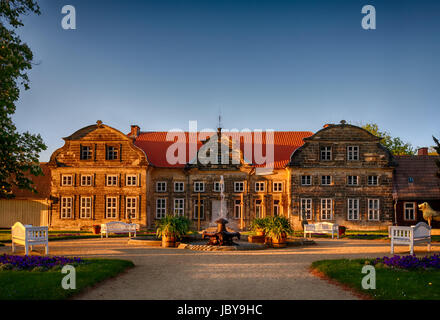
(184, 274)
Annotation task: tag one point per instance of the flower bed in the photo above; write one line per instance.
(410, 262)
(28, 263)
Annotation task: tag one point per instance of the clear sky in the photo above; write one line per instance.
(283, 65)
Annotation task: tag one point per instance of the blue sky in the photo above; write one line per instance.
(283, 65)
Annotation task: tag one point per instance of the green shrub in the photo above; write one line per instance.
(172, 226)
(277, 227)
(6, 266)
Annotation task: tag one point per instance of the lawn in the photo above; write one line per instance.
(5, 235)
(391, 283)
(31, 285)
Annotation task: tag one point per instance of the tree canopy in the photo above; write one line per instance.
(394, 144)
(437, 150)
(18, 151)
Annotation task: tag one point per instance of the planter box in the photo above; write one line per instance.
(256, 239)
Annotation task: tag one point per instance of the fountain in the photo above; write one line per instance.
(221, 237)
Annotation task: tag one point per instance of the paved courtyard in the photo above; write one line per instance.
(184, 274)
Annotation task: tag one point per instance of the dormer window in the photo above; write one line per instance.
(111, 153)
(352, 153)
(86, 153)
(326, 153)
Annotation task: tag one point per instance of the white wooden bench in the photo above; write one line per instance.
(420, 233)
(321, 227)
(29, 236)
(118, 227)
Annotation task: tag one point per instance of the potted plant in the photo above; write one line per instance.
(96, 229)
(277, 228)
(258, 225)
(170, 228)
(341, 230)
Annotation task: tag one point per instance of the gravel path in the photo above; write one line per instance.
(186, 274)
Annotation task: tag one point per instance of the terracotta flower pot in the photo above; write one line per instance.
(96, 229)
(168, 241)
(259, 232)
(341, 230)
(280, 242)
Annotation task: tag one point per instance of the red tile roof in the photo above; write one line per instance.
(422, 170)
(155, 146)
(41, 183)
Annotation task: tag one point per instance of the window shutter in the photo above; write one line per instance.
(120, 206)
(74, 183)
(73, 207)
(106, 152)
(94, 207)
(94, 154)
(120, 152)
(61, 201)
(139, 180)
(105, 207)
(139, 207)
(125, 207)
(80, 152)
(61, 179)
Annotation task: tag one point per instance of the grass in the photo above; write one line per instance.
(395, 284)
(5, 235)
(360, 235)
(29, 285)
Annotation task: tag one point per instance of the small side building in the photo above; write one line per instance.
(28, 207)
(415, 182)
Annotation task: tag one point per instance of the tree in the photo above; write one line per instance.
(437, 150)
(395, 145)
(18, 151)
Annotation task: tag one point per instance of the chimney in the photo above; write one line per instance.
(135, 131)
(422, 151)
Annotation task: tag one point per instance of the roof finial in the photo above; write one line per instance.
(99, 123)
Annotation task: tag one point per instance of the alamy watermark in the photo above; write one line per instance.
(69, 281)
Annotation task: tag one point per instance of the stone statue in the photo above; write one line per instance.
(429, 213)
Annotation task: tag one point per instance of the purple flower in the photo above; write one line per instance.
(411, 262)
(30, 262)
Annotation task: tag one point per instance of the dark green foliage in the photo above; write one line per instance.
(437, 149)
(18, 151)
(395, 145)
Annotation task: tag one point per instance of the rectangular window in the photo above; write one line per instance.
(306, 180)
(326, 209)
(199, 186)
(219, 187)
(112, 180)
(276, 208)
(161, 208)
(179, 186)
(111, 208)
(86, 180)
(131, 207)
(111, 153)
(202, 209)
(352, 153)
(409, 210)
(326, 153)
(373, 209)
(306, 209)
(353, 209)
(161, 186)
(326, 180)
(238, 186)
(373, 180)
(260, 186)
(86, 208)
(66, 180)
(237, 209)
(131, 180)
(179, 207)
(66, 207)
(86, 153)
(277, 187)
(352, 180)
(258, 209)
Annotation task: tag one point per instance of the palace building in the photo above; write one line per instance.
(340, 174)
